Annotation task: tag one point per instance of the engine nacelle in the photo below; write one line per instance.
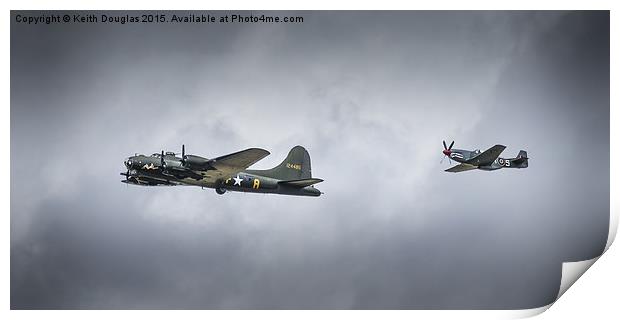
(196, 162)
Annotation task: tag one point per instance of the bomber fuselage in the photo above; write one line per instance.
(151, 170)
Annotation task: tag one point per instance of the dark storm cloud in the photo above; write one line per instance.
(371, 95)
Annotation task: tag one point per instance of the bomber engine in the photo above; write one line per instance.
(196, 162)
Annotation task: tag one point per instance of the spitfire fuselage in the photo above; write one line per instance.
(463, 156)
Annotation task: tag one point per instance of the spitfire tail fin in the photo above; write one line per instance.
(296, 166)
(521, 160)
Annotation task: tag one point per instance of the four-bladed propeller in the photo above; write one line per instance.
(447, 148)
(446, 151)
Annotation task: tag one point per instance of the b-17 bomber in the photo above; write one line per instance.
(488, 160)
(226, 173)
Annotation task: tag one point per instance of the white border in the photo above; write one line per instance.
(585, 302)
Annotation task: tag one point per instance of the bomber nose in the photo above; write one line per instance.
(128, 163)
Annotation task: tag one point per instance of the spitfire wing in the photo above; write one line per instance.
(461, 167)
(233, 163)
(487, 157)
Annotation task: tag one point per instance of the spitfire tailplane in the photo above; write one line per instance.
(521, 160)
(296, 166)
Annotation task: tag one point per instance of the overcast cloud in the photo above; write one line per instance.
(370, 95)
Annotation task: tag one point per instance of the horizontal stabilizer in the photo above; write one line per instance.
(301, 183)
(519, 160)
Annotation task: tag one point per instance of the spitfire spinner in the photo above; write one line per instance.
(226, 173)
(487, 160)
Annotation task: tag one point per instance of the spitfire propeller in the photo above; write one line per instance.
(446, 151)
(183, 155)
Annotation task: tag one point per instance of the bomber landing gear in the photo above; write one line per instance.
(220, 190)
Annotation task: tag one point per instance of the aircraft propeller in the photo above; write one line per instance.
(446, 151)
(163, 162)
(183, 155)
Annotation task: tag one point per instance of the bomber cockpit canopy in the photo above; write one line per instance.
(158, 155)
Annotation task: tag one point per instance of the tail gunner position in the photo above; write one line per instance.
(226, 173)
(487, 160)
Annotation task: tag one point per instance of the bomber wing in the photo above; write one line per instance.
(145, 181)
(487, 157)
(461, 167)
(233, 163)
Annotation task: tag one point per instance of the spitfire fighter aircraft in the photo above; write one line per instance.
(226, 173)
(487, 160)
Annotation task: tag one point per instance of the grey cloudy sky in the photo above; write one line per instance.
(370, 95)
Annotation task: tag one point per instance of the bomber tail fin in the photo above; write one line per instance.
(296, 166)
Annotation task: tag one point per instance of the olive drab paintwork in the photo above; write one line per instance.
(226, 173)
(488, 160)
